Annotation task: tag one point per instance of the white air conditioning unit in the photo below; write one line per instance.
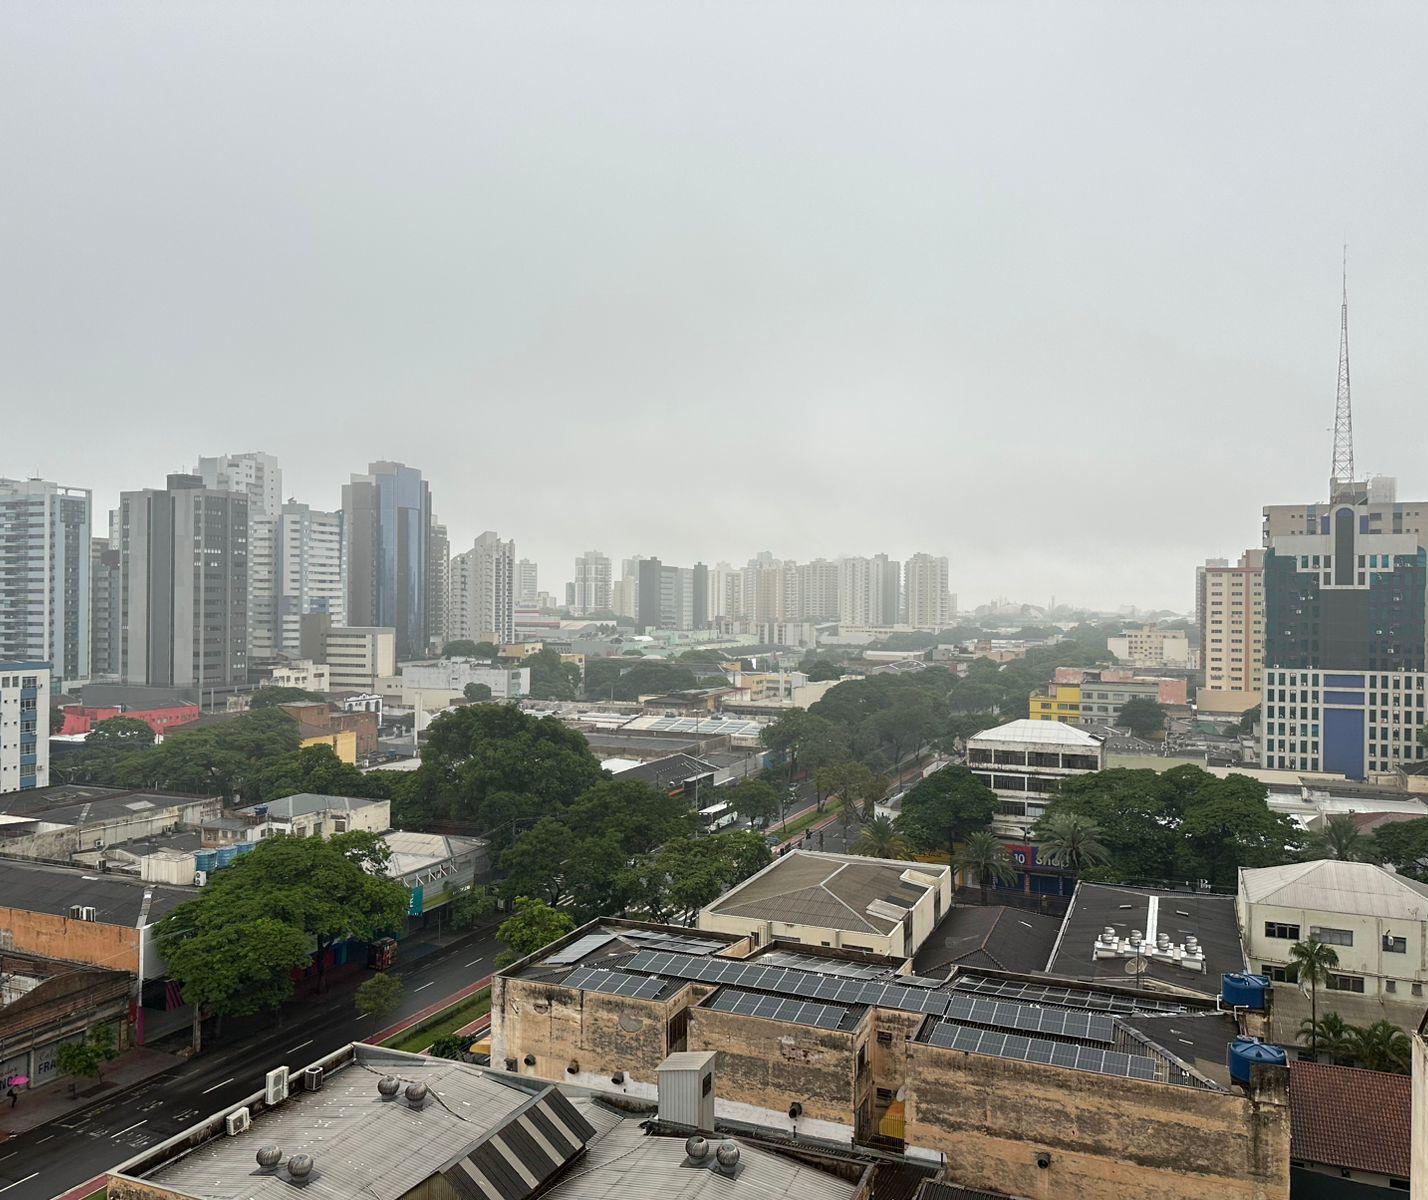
(75, 912)
(200, 878)
(238, 1121)
(89, 913)
(275, 1088)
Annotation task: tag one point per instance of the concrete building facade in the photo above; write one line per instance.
(928, 600)
(1025, 762)
(592, 583)
(1230, 608)
(386, 532)
(257, 476)
(24, 725)
(482, 607)
(308, 572)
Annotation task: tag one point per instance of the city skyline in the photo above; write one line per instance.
(1029, 342)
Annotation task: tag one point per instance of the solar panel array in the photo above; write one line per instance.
(614, 983)
(789, 982)
(580, 947)
(1034, 993)
(1041, 1050)
(1057, 1022)
(670, 941)
(825, 966)
(779, 1008)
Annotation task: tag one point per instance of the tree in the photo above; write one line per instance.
(824, 669)
(1248, 721)
(1143, 716)
(471, 905)
(1068, 839)
(879, 838)
(946, 808)
(87, 1057)
(120, 733)
(1329, 1033)
(57, 719)
(1404, 845)
(466, 648)
(380, 996)
(315, 769)
(1338, 838)
(552, 679)
(689, 873)
(1382, 1046)
(271, 697)
(452, 1045)
(987, 857)
(755, 801)
(964, 725)
(476, 692)
(1313, 962)
(532, 925)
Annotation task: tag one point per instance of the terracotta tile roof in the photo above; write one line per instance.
(1348, 1117)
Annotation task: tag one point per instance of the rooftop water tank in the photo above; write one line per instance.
(205, 860)
(1244, 1052)
(1245, 991)
(226, 855)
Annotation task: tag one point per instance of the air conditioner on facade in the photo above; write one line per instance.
(275, 1088)
(238, 1121)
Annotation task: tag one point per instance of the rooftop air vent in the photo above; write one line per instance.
(697, 1148)
(300, 1170)
(726, 1158)
(312, 1079)
(269, 1157)
(387, 1087)
(416, 1095)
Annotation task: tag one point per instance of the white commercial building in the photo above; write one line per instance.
(1025, 763)
(924, 585)
(24, 725)
(358, 656)
(1152, 647)
(309, 574)
(592, 583)
(869, 590)
(482, 604)
(432, 685)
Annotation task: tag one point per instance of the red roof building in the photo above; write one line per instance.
(81, 719)
(1345, 1119)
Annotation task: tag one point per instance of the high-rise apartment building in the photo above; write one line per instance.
(527, 582)
(1230, 603)
(817, 591)
(24, 725)
(44, 576)
(386, 532)
(591, 589)
(308, 572)
(183, 569)
(104, 612)
(868, 590)
(482, 606)
(924, 585)
(439, 587)
(257, 476)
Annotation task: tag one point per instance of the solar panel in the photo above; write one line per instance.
(1032, 993)
(579, 948)
(829, 966)
(779, 1008)
(614, 983)
(950, 1035)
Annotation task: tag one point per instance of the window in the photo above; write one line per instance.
(1278, 929)
(1280, 974)
(1332, 937)
(1390, 985)
(1345, 983)
(1394, 945)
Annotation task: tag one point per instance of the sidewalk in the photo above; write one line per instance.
(45, 1103)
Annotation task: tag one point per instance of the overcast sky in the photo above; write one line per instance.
(1050, 289)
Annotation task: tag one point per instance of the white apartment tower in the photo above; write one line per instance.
(868, 590)
(1230, 602)
(45, 576)
(257, 476)
(24, 725)
(308, 572)
(527, 582)
(929, 603)
(482, 604)
(592, 583)
(439, 586)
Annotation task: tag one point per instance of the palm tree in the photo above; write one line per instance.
(1332, 1033)
(1339, 838)
(1382, 1046)
(880, 839)
(1070, 839)
(982, 853)
(1313, 961)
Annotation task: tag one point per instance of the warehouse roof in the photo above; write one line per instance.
(975, 935)
(39, 887)
(79, 804)
(831, 891)
(1326, 885)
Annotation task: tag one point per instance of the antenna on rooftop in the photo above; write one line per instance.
(1343, 471)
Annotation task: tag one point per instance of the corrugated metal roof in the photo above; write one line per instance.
(1047, 732)
(1357, 889)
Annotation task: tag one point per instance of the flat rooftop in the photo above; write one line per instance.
(80, 804)
(484, 1133)
(39, 887)
(831, 891)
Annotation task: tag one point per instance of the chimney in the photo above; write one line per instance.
(686, 1089)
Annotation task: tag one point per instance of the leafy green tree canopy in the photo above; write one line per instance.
(532, 925)
(271, 697)
(476, 692)
(945, 808)
(381, 995)
(124, 733)
(1143, 716)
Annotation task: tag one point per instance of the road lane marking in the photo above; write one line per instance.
(216, 1086)
(126, 1129)
(10, 1155)
(425, 985)
(44, 1139)
(18, 1182)
(300, 1045)
(473, 962)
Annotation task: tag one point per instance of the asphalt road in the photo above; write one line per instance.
(51, 1159)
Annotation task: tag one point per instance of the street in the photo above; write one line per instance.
(51, 1159)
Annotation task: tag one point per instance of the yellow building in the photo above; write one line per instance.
(1060, 702)
(343, 743)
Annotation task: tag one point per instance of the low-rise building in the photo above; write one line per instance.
(57, 823)
(310, 815)
(434, 685)
(1351, 1131)
(302, 673)
(845, 901)
(1025, 763)
(1150, 647)
(1059, 702)
(24, 726)
(356, 657)
(1376, 921)
(81, 719)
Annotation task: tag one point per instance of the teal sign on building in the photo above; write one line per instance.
(415, 908)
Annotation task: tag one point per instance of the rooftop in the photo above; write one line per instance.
(668, 772)
(1350, 1118)
(487, 1135)
(38, 887)
(975, 935)
(1326, 885)
(78, 804)
(1096, 906)
(832, 891)
(305, 803)
(1047, 733)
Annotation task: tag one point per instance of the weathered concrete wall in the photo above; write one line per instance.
(1107, 1138)
(890, 1056)
(113, 946)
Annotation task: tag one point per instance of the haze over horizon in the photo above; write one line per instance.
(1052, 292)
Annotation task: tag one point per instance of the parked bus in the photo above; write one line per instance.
(718, 816)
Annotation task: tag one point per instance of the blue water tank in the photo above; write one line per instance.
(204, 860)
(226, 855)
(245, 847)
(1244, 1052)
(1245, 991)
